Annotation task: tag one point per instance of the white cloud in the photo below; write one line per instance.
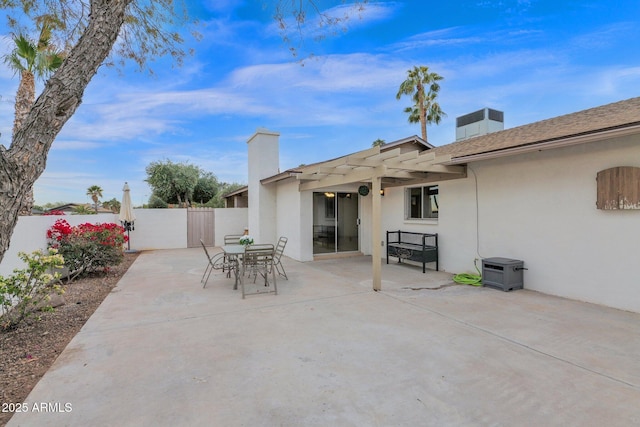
(617, 81)
(442, 37)
(77, 145)
(604, 37)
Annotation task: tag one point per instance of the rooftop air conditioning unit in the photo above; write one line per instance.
(478, 123)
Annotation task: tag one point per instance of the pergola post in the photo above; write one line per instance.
(376, 231)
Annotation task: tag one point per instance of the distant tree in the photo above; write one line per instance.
(218, 200)
(425, 109)
(206, 188)
(173, 181)
(378, 143)
(156, 202)
(83, 210)
(95, 192)
(113, 205)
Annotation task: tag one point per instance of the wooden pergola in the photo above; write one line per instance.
(381, 168)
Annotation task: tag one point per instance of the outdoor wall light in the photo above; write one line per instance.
(382, 192)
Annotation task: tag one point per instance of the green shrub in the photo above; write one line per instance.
(156, 202)
(29, 289)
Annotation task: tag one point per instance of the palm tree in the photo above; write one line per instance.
(425, 109)
(112, 204)
(32, 60)
(83, 210)
(95, 192)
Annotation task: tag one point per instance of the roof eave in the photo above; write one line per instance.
(549, 144)
(415, 139)
(236, 192)
(280, 177)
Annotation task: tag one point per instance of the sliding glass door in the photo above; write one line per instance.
(335, 222)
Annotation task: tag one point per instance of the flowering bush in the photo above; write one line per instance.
(87, 247)
(60, 230)
(53, 212)
(29, 289)
(246, 240)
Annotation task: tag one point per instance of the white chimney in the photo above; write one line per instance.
(263, 162)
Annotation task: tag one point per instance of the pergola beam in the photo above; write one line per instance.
(356, 175)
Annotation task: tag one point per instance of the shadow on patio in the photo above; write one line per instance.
(327, 350)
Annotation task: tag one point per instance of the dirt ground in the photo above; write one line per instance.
(27, 352)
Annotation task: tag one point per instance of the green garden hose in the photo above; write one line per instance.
(469, 278)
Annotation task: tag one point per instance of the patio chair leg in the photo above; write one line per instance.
(205, 272)
(275, 285)
(242, 283)
(282, 273)
(205, 282)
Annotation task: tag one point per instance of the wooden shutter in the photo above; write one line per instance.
(619, 188)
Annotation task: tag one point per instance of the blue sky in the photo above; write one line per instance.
(531, 59)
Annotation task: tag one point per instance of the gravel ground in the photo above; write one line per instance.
(27, 352)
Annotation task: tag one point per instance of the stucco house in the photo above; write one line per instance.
(237, 199)
(562, 194)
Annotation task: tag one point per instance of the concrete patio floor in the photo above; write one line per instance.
(327, 350)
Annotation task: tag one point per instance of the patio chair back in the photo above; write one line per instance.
(209, 267)
(282, 242)
(232, 239)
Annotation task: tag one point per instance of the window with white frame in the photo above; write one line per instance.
(421, 202)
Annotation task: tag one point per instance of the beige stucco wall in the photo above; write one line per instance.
(540, 208)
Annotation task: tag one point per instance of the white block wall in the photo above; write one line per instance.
(230, 221)
(154, 229)
(159, 229)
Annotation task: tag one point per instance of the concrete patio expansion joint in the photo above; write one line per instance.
(512, 341)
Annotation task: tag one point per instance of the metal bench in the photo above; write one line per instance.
(418, 247)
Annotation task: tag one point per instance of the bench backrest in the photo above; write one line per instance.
(422, 239)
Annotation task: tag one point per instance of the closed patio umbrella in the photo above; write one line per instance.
(127, 217)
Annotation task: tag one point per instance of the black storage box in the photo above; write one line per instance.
(502, 273)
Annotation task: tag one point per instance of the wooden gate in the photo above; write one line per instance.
(200, 225)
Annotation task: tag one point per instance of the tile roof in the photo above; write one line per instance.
(606, 117)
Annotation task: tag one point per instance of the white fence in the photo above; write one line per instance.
(154, 229)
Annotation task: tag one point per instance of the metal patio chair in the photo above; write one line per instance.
(209, 268)
(282, 242)
(231, 239)
(217, 262)
(258, 259)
